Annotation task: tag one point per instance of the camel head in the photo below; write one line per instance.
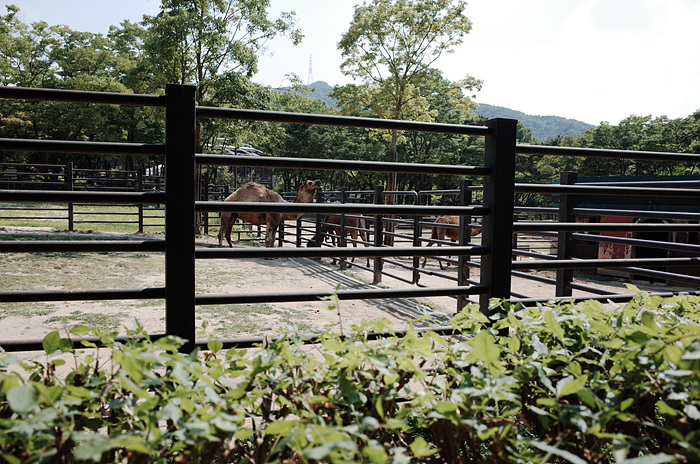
(310, 185)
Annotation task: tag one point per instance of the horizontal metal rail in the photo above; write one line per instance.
(326, 208)
(578, 189)
(605, 153)
(82, 246)
(52, 196)
(635, 213)
(638, 242)
(663, 275)
(332, 120)
(604, 263)
(342, 165)
(363, 294)
(318, 252)
(532, 227)
(65, 146)
(82, 295)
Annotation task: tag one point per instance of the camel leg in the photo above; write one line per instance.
(353, 236)
(442, 265)
(425, 258)
(220, 235)
(227, 222)
(270, 233)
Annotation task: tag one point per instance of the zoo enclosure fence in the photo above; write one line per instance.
(181, 160)
(22, 176)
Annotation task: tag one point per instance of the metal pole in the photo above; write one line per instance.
(343, 239)
(69, 187)
(378, 235)
(565, 245)
(499, 192)
(465, 199)
(417, 234)
(139, 188)
(180, 217)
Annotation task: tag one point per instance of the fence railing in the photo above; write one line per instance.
(492, 256)
(19, 176)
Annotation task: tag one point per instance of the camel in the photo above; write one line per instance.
(256, 192)
(439, 233)
(331, 227)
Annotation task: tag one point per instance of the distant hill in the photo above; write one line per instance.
(544, 128)
(321, 90)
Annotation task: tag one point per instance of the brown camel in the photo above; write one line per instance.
(331, 228)
(256, 192)
(439, 233)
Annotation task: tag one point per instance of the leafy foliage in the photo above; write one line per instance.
(567, 384)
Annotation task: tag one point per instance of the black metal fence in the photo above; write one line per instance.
(493, 256)
(18, 176)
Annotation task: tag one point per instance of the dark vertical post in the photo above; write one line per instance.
(180, 217)
(417, 234)
(378, 235)
(139, 188)
(465, 199)
(205, 196)
(68, 178)
(320, 198)
(565, 245)
(343, 239)
(499, 192)
(514, 245)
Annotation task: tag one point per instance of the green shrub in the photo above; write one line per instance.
(568, 383)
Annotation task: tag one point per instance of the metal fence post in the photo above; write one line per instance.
(180, 217)
(343, 239)
(499, 193)
(68, 178)
(378, 235)
(565, 245)
(417, 234)
(139, 188)
(465, 199)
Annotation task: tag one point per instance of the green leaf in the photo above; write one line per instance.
(93, 448)
(570, 385)
(655, 459)
(571, 457)
(376, 453)
(79, 330)
(215, 346)
(420, 448)
(553, 325)
(281, 427)
(51, 342)
(169, 343)
(485, 349)
(663, 408)
(445, 407)
(23, 398)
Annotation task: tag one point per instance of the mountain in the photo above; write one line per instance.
(321, 90)
(544, 128)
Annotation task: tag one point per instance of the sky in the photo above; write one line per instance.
(591, 60)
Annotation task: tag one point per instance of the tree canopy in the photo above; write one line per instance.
(390, 48)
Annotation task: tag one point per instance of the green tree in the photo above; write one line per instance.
(195, 41)
(388, 48)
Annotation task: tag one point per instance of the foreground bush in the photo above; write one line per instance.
(569, 383)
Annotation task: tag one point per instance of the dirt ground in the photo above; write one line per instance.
(103, 270)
